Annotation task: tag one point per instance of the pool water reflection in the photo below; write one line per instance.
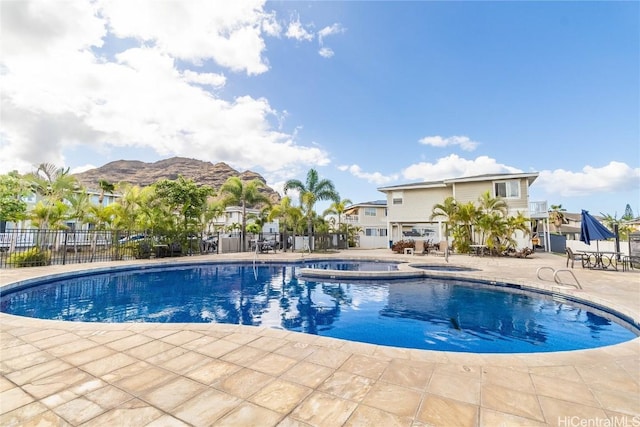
(421, 313)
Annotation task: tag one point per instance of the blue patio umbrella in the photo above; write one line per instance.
(592, 229)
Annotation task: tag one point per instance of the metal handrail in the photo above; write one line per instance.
(557, 279)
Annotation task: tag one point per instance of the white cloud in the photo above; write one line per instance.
(39, 27)
(374, 178)
(330, 30)
(326, 52)
(296, 31)
(83, 168)
(454, 166)
(613, 177)
(437, 141)
(270, 25)
(230, 33)
(210, 79)
(57, 92)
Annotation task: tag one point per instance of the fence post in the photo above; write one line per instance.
(64, 248)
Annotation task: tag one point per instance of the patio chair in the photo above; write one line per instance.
(572, 256)
(628, 262)
(419, 249)
(443, 247)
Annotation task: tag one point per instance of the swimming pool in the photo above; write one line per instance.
(441, 314)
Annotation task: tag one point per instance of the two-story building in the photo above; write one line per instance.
(370, 220)
(410, 206)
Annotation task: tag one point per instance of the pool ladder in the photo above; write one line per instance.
(556, 277)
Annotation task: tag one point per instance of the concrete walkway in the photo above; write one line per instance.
(84, 374)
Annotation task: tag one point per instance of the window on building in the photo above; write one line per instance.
(507, 189)
(396, 197)
(369, 211)
(374, 232)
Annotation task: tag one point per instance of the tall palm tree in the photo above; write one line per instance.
(312, 191)
(236, 192)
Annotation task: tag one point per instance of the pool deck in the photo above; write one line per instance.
(136, 374)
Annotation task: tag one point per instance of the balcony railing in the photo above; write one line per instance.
(351, 219)
(538, 209)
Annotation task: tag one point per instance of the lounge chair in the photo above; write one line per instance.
(572, 256)
(443, 247)
(419, 249)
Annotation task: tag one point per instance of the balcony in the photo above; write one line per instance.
(538, 210)
(351, 219)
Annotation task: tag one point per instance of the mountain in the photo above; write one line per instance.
(143, 174)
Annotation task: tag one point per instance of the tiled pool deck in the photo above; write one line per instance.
(83, 374)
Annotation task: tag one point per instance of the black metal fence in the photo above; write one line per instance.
(29, 248)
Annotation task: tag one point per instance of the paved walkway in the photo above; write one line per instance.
(82, 374)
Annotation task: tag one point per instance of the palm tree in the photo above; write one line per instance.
(556, 216)
(288, 216)
(54, 184)
(338, 208)
(79, 205)
(490, 204)
(517, 223)
(491, 211)
(447, 210)
(213, 210)
(127, 208)
(465, 217)
(313, 190)
(105, 187)
(244, 194)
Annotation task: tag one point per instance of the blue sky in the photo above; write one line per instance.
(369, 93)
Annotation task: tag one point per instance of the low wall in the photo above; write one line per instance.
(604, 245)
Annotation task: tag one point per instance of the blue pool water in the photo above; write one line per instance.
(351, 265)
(422, 313)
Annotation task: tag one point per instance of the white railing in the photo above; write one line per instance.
(538, 209)
(351, 219)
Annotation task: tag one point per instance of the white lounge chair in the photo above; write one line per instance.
(443, 247)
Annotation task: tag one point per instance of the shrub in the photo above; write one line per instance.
(400, 245)
(30, 258)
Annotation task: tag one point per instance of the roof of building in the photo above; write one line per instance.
(374, 203)
(447, 182)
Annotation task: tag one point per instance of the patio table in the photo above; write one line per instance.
(601, 260)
